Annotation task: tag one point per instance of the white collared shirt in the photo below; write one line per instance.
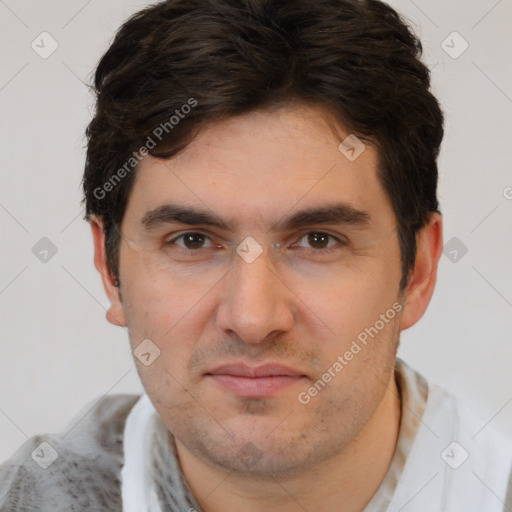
(442, 462)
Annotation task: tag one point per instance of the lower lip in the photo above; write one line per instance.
(255, 387)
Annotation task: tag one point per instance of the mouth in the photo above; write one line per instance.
(254, 382)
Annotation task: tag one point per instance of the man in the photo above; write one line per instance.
(261, 186)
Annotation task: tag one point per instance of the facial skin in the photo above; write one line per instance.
(296, 305)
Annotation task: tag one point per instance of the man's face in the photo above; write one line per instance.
(223, 319)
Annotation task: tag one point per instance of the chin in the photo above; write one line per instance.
(260, 448)
(256, 458)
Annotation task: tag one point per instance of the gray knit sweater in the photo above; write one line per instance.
(86, 474)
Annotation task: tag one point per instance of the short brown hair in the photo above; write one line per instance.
(357, 58)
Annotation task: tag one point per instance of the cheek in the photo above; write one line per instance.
(167, 392)
(170, 319)
(353, 301)
(159, 300)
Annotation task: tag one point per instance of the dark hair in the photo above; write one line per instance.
(222, 58)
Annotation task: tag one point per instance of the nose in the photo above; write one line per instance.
(256, 304)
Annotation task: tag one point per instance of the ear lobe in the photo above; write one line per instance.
(429, 242)
(115, 314)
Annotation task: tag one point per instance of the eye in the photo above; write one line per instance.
(192, 241)
(320, 241)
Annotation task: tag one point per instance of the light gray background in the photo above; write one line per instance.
(58, 352)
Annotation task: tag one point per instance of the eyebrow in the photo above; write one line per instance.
(336, 213)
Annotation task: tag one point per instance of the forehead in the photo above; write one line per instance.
(261, 165)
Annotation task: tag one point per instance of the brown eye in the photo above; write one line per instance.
(319, 241)
(316, 239)
(191, 241)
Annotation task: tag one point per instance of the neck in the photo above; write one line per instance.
(350, 478)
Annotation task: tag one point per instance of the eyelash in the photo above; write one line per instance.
(318, 251)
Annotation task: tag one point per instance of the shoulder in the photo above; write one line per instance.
(458, 452)
(77, 469)
(445, 410)
(474, 437)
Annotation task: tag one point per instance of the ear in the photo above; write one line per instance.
(115, 314)
(420, 287)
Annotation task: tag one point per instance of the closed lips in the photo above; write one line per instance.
(267, 370)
